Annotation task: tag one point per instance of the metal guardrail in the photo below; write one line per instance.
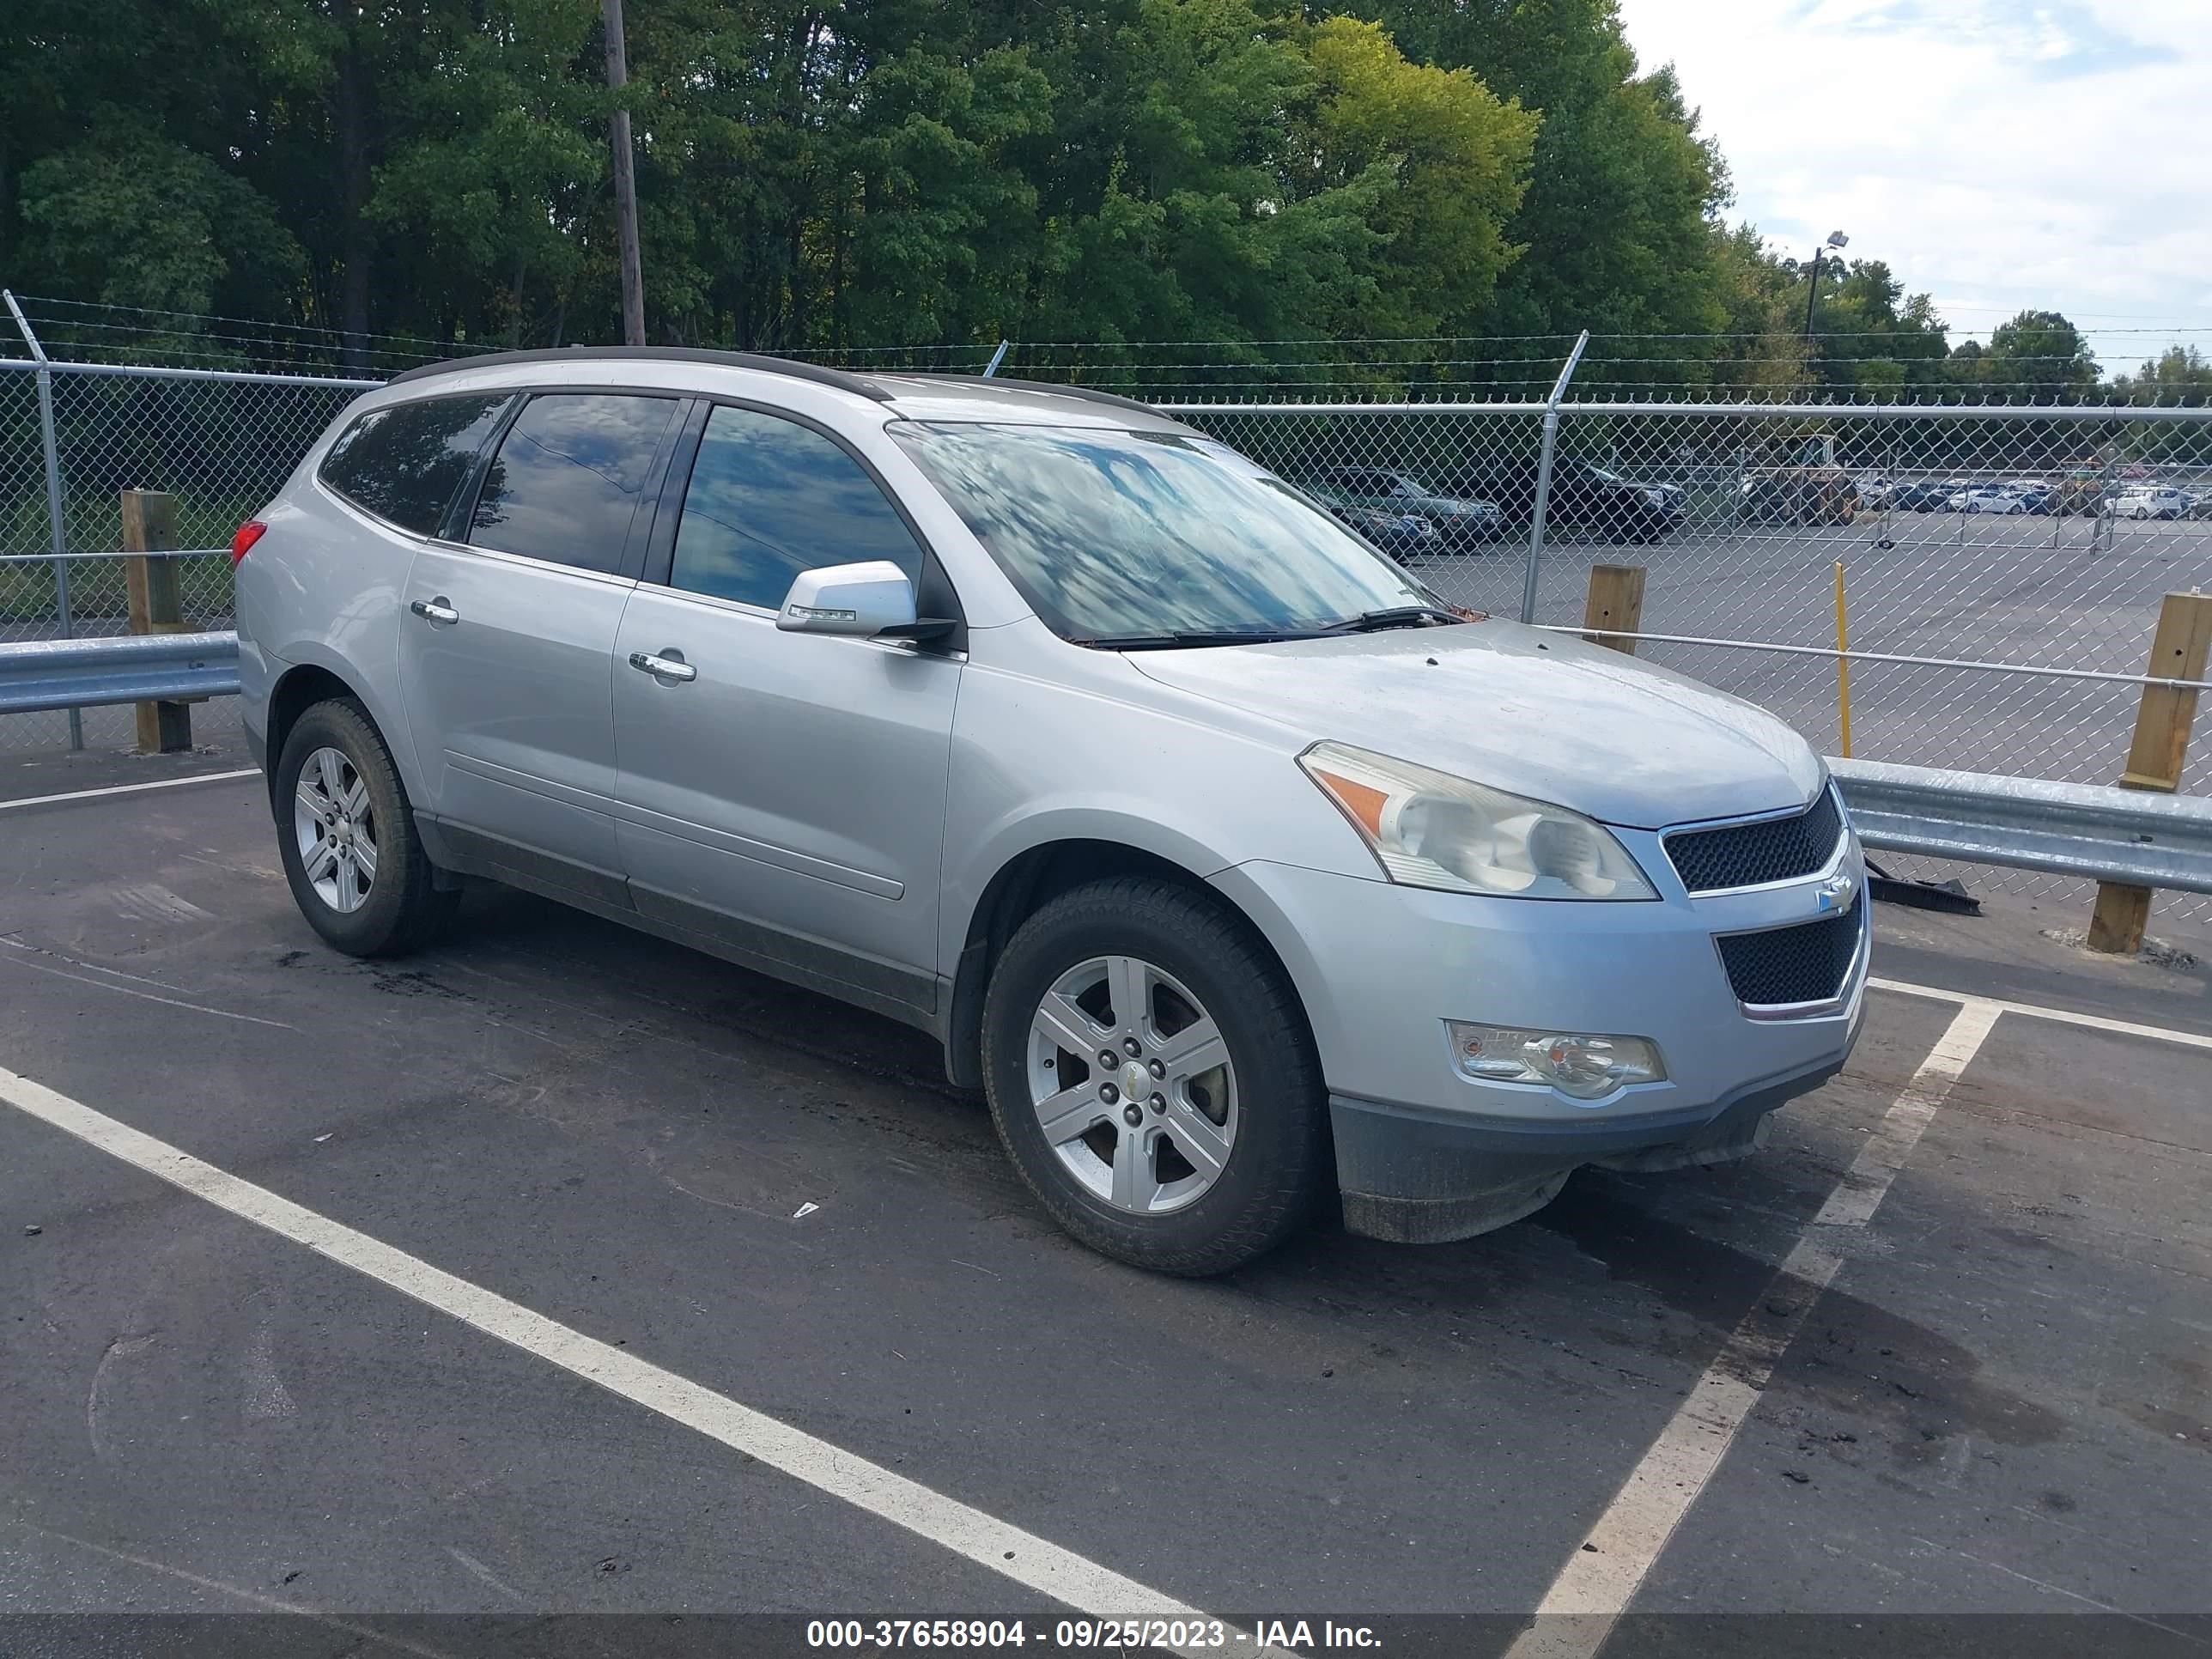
(2130, 836)
(40, 674)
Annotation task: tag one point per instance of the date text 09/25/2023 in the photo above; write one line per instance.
(1293, 1635)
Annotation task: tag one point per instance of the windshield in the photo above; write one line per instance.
(1111, 534)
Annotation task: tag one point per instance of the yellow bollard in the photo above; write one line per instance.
(1843, 665)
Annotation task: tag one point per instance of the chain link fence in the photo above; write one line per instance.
(2009, 558)
(220, 443)
(2036, 541)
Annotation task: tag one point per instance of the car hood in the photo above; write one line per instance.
(1543, 715)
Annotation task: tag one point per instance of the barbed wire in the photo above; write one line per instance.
(1740, 367)
(28, 300)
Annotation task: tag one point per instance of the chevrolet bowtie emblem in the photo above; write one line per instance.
(1837, 893)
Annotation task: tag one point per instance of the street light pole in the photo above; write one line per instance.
(1837, 241)
(632, 277)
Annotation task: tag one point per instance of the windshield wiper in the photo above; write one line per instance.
(1403, 615)
(1194, 637)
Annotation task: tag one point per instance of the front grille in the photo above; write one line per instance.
(1805, 964)
(1750, 855)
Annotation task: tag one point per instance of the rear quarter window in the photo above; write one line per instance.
(406, 463)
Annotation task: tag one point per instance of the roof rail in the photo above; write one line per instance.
(1086, 394)
(788, 365)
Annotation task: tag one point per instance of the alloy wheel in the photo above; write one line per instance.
(1132, 1083)
(336, 830)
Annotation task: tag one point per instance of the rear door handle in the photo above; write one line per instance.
(663, 668)
(436, 611)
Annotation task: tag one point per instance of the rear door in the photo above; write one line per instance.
(509, 631)
(784, 799)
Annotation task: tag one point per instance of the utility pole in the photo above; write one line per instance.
(632, 277)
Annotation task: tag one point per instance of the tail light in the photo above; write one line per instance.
(248, 533)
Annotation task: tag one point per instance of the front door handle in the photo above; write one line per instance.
(670, 667)
(436, 611)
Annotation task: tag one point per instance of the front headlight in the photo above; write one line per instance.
(1428, 828)
(1656, 497)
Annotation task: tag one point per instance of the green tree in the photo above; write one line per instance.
(2180, 377)
(131, 219)
(2036, 357)
(434, 154)
(1618, 220)
(1870, 339)
(1436, 163)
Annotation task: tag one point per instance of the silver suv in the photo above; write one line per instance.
(1240, 871)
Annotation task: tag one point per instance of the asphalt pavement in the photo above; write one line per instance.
(565, 1188)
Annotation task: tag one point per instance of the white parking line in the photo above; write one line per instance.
(2038, 1011)
(130, 788)
(1602, 1577)
(1012, 1553)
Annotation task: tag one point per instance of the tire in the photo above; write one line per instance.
(396, 906)
(1275, 1103)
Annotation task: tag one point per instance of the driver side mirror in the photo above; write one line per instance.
(865, 599)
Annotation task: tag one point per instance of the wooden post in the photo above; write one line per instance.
(1616, 603)
(150, 526)
(2177, 652)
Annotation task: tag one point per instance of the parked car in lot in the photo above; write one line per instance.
(1584, 497)
(2199, 503)
(2032, 494)
(1464, 522)
(2151, 502)
(1235, 870)
(1403, 536)
(1921, 498)
(1988, 498)
(1673, 497)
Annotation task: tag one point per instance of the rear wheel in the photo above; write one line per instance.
(1151, 1073)
(348, 840)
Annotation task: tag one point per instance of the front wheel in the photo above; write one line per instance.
(348, 840)
(1151, 1073)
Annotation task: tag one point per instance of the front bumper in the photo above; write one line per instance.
(1425, 1153)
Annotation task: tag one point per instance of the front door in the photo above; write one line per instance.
(782, 795)
(506, 647)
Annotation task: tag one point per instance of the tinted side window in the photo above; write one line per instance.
(567, 477)
(769, 498)
(405, 462)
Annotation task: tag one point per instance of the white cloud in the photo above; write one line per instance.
(1999, 153)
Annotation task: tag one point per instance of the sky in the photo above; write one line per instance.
(1998, 154)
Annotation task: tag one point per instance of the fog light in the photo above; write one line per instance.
(1575, 1063)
